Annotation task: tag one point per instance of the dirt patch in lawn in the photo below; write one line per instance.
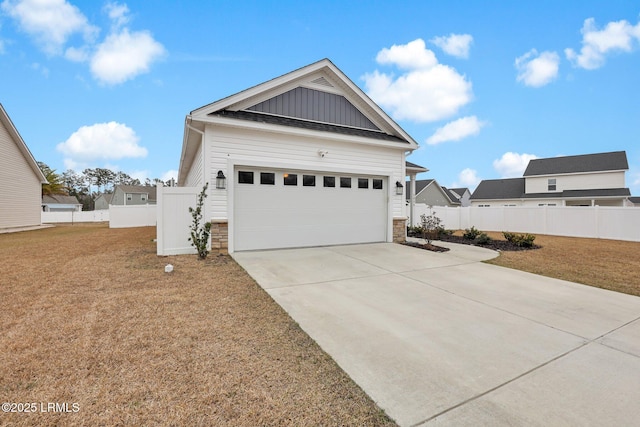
(88, 316)
(608, 264)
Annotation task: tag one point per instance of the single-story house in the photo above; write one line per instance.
(583, 180)
(304, 159)
(102, 201)
(60, 203)
(461, 195)
(20, 179)
(429, 192)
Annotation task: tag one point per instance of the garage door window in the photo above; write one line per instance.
(290, 179)
(363, 183)
(377, 184)
(329, 181)
(345, 182)
(245, 177)
(267, 178)
(308, 180)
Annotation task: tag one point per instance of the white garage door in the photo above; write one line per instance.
(288, 209)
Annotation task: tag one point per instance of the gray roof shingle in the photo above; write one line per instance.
(613, 161)
(508, 188)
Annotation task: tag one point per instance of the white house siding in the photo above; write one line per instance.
(20, 189)
(586, 181)
(195, 176)
(229, 147)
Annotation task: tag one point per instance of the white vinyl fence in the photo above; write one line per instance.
(617, 223)
(174, 219)
(73, 217)
(132, 216)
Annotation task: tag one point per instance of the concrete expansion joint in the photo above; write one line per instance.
(598, 340)
(491, 390)
(345, 279)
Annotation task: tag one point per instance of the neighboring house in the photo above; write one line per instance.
(60, 203)
(633, 201)
(305, 159)
(429, 192)
(584, 180)
(461, 195)
(133, 195)
(20, 179)
(103, 201)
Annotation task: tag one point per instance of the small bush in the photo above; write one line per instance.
(483, 239)
(471, 233)
(431, 226)
(521, 240)
(200, 231)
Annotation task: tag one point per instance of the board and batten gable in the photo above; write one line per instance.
(20, 179)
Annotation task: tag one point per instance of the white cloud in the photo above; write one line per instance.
(125, 55)
(455, 44)
(427, 92)
(50, 22)
(467, 178)
(170, 174)
(101, 141)
(412, 56)
(456, 130)
(596, 44)
(537, 70)
(118, 13)
(512, 165)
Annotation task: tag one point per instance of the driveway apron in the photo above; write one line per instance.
(443, 339)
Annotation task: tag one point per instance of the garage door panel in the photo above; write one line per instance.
(279, 216)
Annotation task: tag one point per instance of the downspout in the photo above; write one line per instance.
(204, 170)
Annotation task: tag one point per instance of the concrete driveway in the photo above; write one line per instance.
(443, 339)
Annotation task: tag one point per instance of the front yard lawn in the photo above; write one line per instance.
(89, 317)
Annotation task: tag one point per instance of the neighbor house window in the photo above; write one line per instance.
(143, 197)
(129, 196)
(290, 179)
(552, 184)
(377, 184)
(267, 178)
(308, 180)
(363, 183)
(329, 181)
(345, 182)
(245, 177)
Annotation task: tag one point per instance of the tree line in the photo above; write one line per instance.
(89, 184)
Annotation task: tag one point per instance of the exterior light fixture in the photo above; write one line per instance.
(221, 181)
(399, 188)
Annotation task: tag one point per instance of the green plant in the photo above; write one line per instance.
(431, 225)
(483, 239)
(522, 240)
(471, 233)
(199, 231)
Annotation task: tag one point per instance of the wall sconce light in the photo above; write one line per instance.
(221, 181)
(399, 188)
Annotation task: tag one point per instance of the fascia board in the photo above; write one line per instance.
(265, 127)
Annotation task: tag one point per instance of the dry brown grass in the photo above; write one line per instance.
(88, 316)
(608, 264)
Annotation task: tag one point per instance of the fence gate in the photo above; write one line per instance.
(174, 219)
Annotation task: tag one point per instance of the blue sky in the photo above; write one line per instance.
(482, 86)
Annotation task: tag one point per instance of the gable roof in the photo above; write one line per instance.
(322, 78)
(453, 196)
(599, 162)
(60, 199)
(507, 188)
(460, 191)
(284, 104)
(22, 146)
(412, 167)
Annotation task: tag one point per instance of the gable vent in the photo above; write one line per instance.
(322, 81)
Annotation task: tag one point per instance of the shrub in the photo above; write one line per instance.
(521, 240)
(200, 232)
(431, 225)
(471, 233)
(483, 239)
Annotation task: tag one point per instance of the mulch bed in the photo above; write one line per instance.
(496, 245)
